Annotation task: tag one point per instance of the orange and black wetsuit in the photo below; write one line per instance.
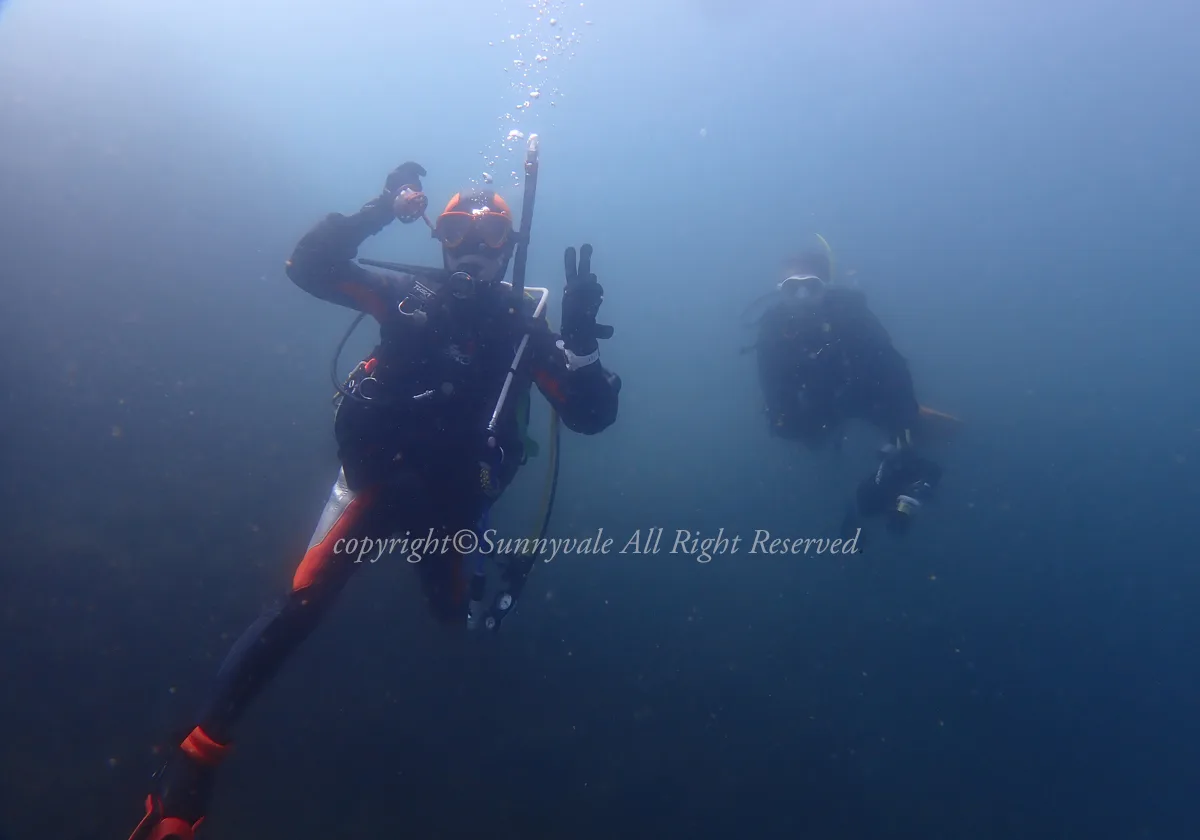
(407, 466)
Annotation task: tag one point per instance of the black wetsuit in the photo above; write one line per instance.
(826, 360)
(407, 465)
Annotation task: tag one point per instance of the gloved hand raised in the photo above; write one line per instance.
(403, 185)
(405, 175)
(581, 301)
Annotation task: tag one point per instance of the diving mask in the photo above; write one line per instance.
(794, 284)
(488, 227)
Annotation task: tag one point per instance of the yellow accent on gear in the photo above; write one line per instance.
(829, 252)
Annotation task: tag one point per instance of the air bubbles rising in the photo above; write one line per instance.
(539, 30)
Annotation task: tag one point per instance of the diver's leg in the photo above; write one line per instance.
(449, 581)
(445, 583)
(185, 783)
(899, 486)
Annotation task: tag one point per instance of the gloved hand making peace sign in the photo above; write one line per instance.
(581, 301)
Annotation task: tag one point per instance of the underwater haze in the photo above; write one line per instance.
(1014, 186)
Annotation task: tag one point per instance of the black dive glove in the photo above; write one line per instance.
(402, 197)
(405, 175)
(404, 185)
(581, 301)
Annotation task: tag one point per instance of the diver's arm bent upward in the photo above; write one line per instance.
(322, 263)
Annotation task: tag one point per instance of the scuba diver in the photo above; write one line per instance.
(824, 359)
(429, 433)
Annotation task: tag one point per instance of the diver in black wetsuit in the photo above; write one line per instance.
(824, 359)
(416, 447)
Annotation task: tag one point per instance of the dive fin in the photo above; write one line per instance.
(937, 427)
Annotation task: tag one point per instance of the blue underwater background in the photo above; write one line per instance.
(1014, 186)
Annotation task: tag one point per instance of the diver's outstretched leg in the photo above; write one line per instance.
(176, 810)
(897, 489)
